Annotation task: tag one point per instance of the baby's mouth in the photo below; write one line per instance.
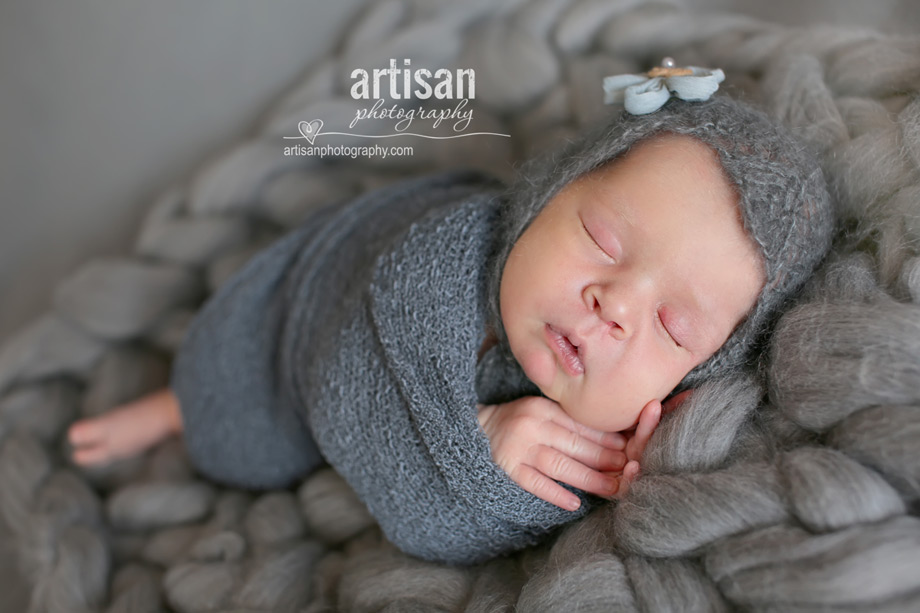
(567, 352)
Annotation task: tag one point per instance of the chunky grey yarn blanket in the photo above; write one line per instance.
(795, 489)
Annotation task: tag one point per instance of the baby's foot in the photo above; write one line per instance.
(125, 431)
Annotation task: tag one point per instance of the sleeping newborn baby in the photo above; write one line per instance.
(634, 274)
(485, 364)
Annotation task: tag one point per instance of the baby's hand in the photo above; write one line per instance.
(637, 438)
(537, 444)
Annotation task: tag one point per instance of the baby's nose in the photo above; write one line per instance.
(618, 308)
(609, 310)
(618, 332)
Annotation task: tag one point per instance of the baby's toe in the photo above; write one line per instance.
(91, 455)
(83, 433)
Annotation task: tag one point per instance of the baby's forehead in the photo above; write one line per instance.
(666, 148)
(664, 151)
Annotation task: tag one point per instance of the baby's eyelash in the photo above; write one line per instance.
(665, 328)
(594, 240)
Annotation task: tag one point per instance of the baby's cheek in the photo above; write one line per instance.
(620, 407)
(539, 368)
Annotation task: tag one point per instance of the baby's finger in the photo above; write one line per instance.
(611, 440)
(542, 487)
(585, 451)
(563, 468)
(675, 401)
(648, 421)
(630, 472)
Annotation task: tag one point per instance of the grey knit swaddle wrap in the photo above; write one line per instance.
(364, 325)
(784, 202)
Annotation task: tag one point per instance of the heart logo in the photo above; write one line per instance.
(309, 129)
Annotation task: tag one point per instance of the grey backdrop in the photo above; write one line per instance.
(105, 102)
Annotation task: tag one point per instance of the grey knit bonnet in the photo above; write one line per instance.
(784, 201)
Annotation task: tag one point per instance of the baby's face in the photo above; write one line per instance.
(630, 277)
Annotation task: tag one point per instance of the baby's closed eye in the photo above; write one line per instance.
(667, 330)
(602, 238)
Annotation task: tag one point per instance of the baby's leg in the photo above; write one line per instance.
(126, 430)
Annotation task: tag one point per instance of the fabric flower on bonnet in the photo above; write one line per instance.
(646, 93)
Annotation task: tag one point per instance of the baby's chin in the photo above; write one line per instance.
(606, 418)
(567, 393)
